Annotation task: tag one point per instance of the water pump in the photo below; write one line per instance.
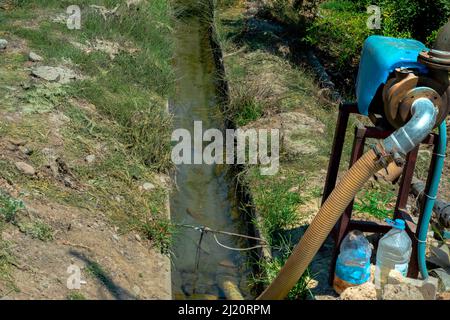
(404, 88)
(396, 72)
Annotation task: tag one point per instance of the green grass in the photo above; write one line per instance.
(37, 230)
(270, 269)
(276, 204)
(6, 262)
(9, 207)
(160, 231)
(128, 129)
(9, 212)
(377, 203)
(248, 111)
(131, 89)
(116, 173)
(74, 295)
(340, 29)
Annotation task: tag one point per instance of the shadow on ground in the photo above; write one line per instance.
(103, 277)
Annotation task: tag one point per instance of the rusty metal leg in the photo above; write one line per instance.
(336, 152)
(405, 183)
(341, 227)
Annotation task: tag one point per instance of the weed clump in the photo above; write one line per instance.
(9, 207)
(37, 230)
(270, 270)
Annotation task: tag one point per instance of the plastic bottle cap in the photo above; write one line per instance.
(397, 224)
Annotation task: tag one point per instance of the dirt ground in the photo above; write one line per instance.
(65, 180)
(112, 266)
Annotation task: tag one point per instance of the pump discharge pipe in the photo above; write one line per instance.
(402, 141)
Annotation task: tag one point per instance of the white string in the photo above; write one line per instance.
(236, 249)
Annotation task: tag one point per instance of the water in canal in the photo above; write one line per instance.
(203, 195)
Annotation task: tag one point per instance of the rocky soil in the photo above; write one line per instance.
(67, 197)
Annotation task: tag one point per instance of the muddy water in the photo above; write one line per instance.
(202, 196)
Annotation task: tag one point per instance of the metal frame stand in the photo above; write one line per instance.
(345, 223)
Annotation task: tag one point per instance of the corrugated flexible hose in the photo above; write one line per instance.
(322, 224)
(402, 141)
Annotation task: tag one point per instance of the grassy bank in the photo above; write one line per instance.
(99, 142)
(131, 86)
(269, 90)
(264, 84)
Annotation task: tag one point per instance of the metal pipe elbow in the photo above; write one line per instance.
(422, 122)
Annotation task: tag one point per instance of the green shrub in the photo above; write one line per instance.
(296, 13)
(340, 29)
(37, 230)
(161, 232)
(376, 203)
(418, 19)
(9, 207)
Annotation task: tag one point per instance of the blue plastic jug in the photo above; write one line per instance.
(353, 263)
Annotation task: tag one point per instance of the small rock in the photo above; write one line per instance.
(136, 290)
(11, 147)
(54, 74)
(25, 168)
(35, 57)
(46, 73)
(428, 288)
(312, 284)
(131, 3)
(25, 151)
(69, 183)
(3, 44)
(115, 237)
(137, 237)
(366, 291)
(148, 186)
(401, 291)
(444, 296)
(26, 85)
(164, 179)
(227, 264)
(294, 189)
(90, 158)
(17, 142)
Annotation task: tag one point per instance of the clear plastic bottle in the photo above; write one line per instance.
(394, 253)
(353, 263)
